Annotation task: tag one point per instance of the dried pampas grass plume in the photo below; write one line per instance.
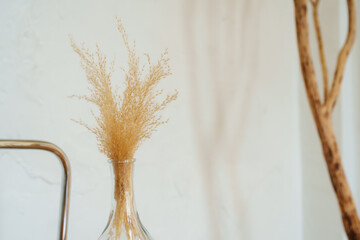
(124, 121)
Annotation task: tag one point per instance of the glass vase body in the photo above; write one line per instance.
(124, 222)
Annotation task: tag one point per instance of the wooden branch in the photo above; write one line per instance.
(307, 66)
(343, 56)
(315, 5)
(322, 115)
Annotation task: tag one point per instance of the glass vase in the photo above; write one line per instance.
(124, 222)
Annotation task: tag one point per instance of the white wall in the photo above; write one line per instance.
(266, 170)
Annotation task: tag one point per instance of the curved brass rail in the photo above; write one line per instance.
(27, 144)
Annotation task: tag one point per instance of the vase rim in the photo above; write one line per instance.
(131, 160)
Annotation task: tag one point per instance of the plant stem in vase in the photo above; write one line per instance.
(124, 121)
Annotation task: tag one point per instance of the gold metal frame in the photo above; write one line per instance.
(26, 144)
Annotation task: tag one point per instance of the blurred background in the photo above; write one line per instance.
(240, 157)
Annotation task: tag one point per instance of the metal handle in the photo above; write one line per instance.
(27, 144)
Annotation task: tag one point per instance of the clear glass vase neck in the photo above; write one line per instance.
(124, 222)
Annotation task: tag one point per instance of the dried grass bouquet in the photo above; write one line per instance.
(124, 120)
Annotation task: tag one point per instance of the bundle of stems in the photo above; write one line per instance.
(124, 120)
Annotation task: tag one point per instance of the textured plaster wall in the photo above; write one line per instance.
(282, 182)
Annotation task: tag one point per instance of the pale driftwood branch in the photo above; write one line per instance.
(307, 66)
(315, 5)
(322, 113)
(314, 2)
(343, 56)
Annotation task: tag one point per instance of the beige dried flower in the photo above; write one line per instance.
(125, 120)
